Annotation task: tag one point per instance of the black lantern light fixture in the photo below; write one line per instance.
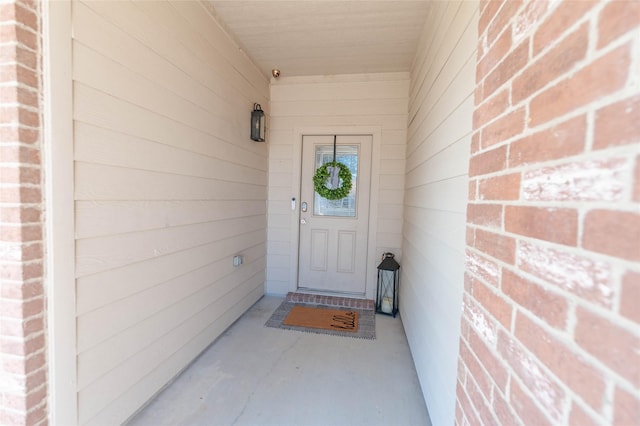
(258, 124)
(388, 280)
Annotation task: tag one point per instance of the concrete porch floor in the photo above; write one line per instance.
(254, 375)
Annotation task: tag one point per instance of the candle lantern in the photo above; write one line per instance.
(387, 292)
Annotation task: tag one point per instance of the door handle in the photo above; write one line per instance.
(303, 221)
(303, 207)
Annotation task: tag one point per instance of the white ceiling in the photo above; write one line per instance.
(325, 37)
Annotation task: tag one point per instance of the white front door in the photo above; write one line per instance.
(334, 233)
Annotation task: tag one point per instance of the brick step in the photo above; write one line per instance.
(317, 299)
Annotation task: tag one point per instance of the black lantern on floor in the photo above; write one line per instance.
(387, 293)
(258, 124)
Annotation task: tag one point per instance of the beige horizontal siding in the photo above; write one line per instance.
(377, 100)
(168, 189)
(438, 147)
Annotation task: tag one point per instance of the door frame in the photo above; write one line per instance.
(57, 163)
(376, 137)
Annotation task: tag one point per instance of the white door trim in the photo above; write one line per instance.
(57, 155)
(372, 256)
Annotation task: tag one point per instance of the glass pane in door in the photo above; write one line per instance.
(347, 155)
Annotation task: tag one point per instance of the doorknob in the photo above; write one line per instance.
(303, 221)
(303, 207)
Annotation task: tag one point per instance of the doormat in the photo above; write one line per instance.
(324, 320)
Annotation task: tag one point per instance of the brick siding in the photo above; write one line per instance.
(343, 302)
(551, 316)
(23, 371)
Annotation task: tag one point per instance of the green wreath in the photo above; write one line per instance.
(320, 181)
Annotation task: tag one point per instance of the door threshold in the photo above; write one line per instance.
(340, 301)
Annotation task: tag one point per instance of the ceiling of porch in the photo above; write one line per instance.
(325, 37)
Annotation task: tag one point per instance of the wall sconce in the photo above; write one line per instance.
(258, 124)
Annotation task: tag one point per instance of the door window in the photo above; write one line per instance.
(347, 155)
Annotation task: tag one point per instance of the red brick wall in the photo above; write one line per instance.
(23, 371)
(551, 324)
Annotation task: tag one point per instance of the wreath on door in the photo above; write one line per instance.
(322, 178)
